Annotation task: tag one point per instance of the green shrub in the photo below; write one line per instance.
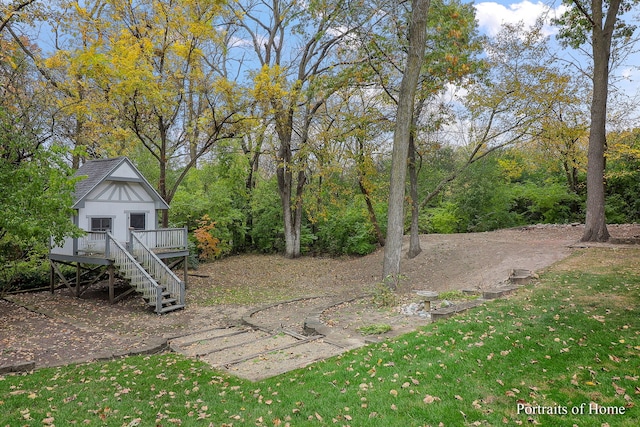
(550, 203)
(383, 295)
(208, 192)
(345, 232)
(267, 227)
(444, 219)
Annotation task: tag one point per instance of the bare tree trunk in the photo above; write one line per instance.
(252, 152)
(291, 202)
(402, 133)
(595, 223)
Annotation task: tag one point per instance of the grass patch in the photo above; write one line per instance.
(563, 345)
(375, 329)
(457, 296)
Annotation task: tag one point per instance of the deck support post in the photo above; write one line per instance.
(78, 276)
(52, 277)
(185, 269)
(112, 291)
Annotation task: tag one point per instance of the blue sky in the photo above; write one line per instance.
(491, 14)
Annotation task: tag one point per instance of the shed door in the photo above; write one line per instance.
(138, 221)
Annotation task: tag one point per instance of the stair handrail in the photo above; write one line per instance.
(157, 268)
(123, 258)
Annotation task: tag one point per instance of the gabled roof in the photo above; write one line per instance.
(98, 171)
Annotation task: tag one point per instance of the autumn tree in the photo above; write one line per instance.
(10, 11)
(451, 60)
(451, 55)
(562, 135)
(153, 69)
(297, 47)
(511, 101)
(597, 23)
(36, 196)
(402, 134)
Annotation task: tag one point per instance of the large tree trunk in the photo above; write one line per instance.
(291, 203)
(404, 122)
(292, 211)
(595, 223)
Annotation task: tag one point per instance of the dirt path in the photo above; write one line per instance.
(48, 330)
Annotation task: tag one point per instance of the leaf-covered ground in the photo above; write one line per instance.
(57, 329)
(562, 351)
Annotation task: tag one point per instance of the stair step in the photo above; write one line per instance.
(138, 276)
(164, 301)
(170, 308)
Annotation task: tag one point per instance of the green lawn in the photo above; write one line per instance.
(563, 351)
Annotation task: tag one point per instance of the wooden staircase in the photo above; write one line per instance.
(148, 275)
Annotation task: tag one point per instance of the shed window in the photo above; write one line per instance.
(100, 224)
(137, 221)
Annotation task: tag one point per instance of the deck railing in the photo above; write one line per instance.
(165, 239)
(140, 279)
(158, 269)
(161, 240)
(94, 242)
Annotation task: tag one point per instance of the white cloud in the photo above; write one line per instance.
(492, 15)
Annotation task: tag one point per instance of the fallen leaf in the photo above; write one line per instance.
(619, 390)
(430, 399)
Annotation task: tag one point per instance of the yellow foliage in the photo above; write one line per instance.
(511, 168)
(270, 83)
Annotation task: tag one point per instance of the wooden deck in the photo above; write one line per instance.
(93, 257)
(95, 247)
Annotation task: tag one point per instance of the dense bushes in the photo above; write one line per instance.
(502, 190)
(509, 188)
(346, 231)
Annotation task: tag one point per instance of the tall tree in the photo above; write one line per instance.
(402, 133)
(297, 47)
(451, 55)
(150, 74)
(508, 104)
(596, 22)
(452, 59)
(36, 195)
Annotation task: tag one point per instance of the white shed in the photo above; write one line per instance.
(118, 209)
